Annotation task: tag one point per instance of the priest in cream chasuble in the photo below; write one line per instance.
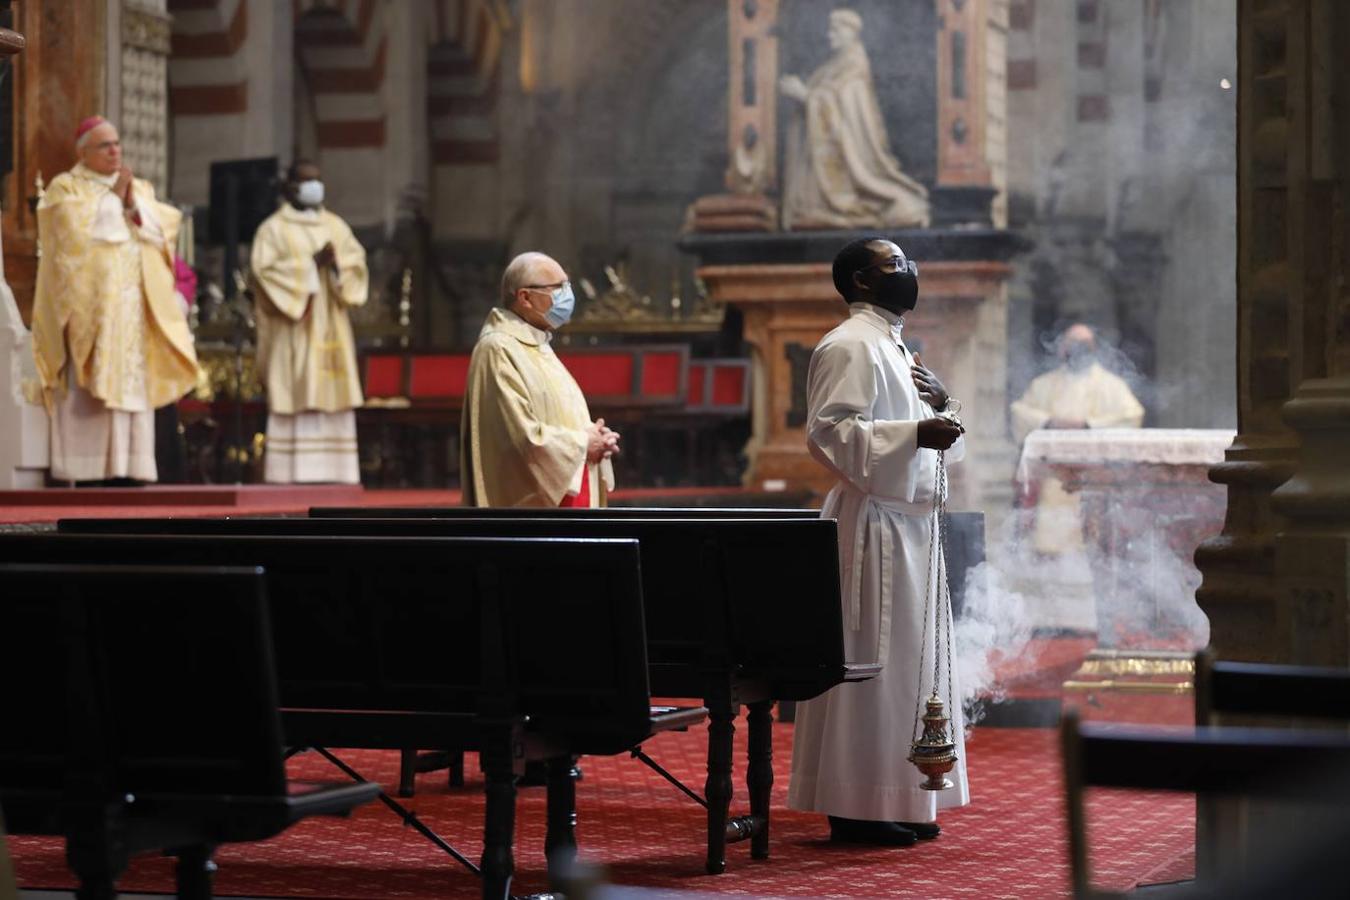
(526, 435)
(309, 270)
(111, 341)
(871, 421)
(1077, 394)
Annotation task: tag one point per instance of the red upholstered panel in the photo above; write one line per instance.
(728, 385)
(694, 396)
(384, 376)
(439, 376)
(661, 374)
(601, 374)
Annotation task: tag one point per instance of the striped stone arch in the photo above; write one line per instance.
(464, 80)
(341, 47)
(208, 89)
(207, 75)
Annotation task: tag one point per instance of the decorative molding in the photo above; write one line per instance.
(146, 29)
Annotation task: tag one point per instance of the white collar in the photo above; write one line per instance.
(888, 320)
(311, 215)
(502, 319)
(85, 172)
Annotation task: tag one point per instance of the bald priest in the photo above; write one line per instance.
(111, 341)
(526, 437)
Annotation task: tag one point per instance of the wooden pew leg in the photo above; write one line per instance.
(194, 871)
(759, 775)
(560, 846)
(717, 789)
(498, 864)
(456, 768)
(407, 772)
(97, 863)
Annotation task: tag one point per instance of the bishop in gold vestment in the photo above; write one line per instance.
(310, 270)
(109, 337)
(526, 435)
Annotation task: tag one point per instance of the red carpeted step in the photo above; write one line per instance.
(1009, 843)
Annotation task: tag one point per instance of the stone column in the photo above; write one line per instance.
(964, 43)
(1290, 269)
(1312, 550)
(1276, 580)
(752, 124)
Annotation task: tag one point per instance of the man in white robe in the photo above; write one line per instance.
(871, 421)
(1077, 394)
(310, 271)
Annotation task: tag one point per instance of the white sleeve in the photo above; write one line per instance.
(876, 456)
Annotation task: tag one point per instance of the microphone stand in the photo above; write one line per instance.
(242, 323)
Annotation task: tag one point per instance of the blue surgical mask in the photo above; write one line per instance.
(309, 193)
(560, 313)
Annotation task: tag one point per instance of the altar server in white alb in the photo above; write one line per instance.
(871, 420)
(310, 270)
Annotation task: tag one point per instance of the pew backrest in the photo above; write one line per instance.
(608, 512)
(368, 626)
(137, 680)
(757, 595)
(1264, 689)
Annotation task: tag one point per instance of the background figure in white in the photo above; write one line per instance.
(1080, 393)
(871, 422)
(840, 172)
(310, 270)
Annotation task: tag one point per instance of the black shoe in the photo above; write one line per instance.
(926, 831)
(864, 831)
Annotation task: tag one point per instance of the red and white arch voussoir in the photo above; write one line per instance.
(342, 47)
(463, 77)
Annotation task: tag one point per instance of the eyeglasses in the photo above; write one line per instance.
(894, 264)
(546, 287)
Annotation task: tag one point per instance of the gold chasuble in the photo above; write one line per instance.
(306, 354)
(523, 433)
(109, 337)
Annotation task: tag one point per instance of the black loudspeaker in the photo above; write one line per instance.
(243, 193)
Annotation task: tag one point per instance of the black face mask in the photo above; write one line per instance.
(897, 292)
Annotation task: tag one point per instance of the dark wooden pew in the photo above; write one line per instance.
(1263, 689)
(739, 611)
(964, 529)
(522, 649)
(607, 512)
(1310, 767)
(142, 715)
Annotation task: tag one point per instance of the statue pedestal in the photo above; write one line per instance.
(781, 283)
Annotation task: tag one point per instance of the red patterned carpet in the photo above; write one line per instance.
(1009, 843)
